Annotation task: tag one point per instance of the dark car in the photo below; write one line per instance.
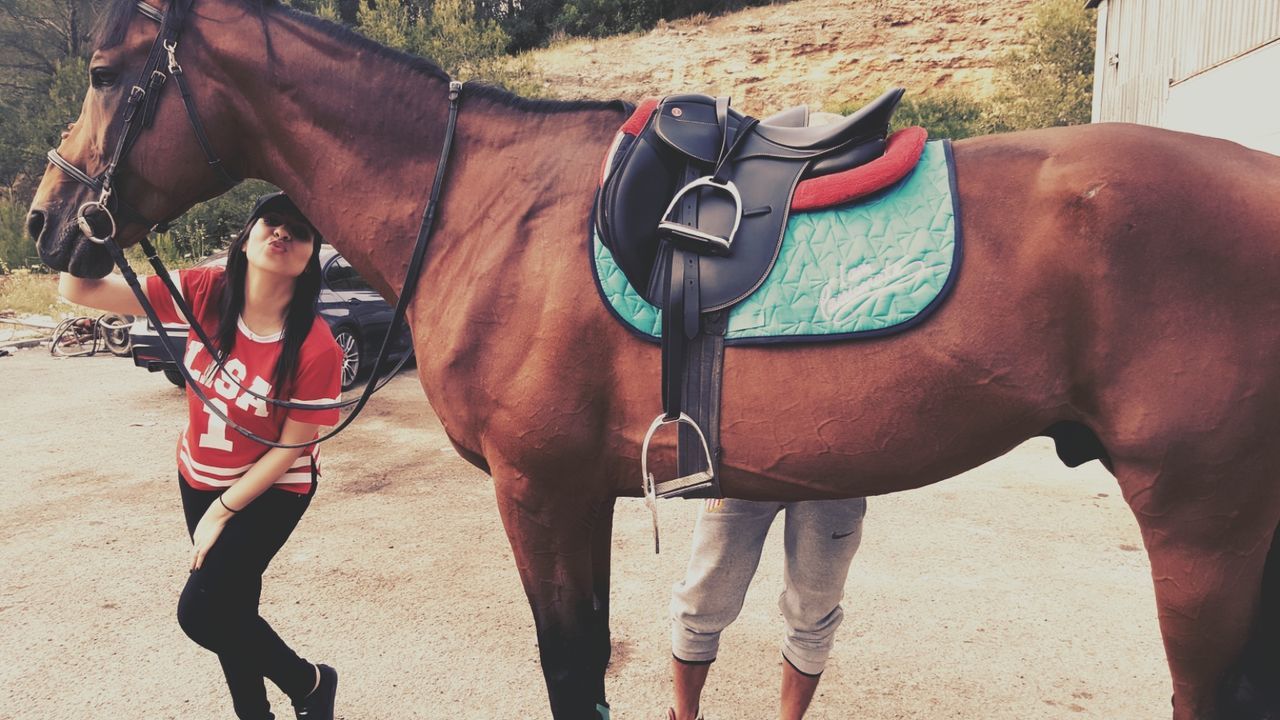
(356, 313)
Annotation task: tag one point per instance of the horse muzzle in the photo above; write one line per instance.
(63, 244)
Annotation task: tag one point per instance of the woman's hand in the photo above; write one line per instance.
(207, 532)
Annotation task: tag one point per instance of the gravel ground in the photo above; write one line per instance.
(1019, 590)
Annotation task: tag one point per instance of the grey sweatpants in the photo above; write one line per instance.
(820, 541)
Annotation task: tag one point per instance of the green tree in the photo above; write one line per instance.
(449, 33)
(42, 46)
(527, 23)
(598, 18)
(1048, 79)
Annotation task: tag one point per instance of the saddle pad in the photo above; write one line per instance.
(876, 266)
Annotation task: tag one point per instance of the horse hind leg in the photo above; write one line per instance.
(1252, 691)
(1207, 537)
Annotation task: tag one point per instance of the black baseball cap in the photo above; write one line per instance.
(279, 202)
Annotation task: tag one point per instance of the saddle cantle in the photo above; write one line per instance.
(693, 204)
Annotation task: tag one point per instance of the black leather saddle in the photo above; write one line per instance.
(692, 138)
(694, 210)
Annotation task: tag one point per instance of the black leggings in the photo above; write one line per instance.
(219, 606)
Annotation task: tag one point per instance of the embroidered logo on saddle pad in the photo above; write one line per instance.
(878, 265)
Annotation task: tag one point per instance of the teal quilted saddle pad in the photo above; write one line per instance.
(875, 266)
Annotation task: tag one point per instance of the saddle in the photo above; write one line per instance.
(693, 206)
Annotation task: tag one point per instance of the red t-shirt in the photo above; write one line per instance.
(211, 455)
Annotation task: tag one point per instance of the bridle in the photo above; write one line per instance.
(139, 114)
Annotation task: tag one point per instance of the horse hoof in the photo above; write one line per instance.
(1242, 699)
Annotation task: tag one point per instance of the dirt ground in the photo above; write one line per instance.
(1019, 590)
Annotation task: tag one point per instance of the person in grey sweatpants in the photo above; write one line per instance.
(821, 537)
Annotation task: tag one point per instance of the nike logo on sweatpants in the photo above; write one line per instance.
(837, 536)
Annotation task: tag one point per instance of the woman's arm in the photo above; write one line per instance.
(253, 483)
(110, 294)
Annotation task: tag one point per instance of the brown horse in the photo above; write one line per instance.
(1118, 293)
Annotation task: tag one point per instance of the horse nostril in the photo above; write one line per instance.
(35, 224)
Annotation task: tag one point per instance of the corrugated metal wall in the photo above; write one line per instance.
(1151, 44)
(1210, 32)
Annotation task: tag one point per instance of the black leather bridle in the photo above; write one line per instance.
(143, 98)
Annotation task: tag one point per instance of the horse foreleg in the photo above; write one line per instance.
(553, 533)
(1207, 540)
(601, 557)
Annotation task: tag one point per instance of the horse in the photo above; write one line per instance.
(1118, 294)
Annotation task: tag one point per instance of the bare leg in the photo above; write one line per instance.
(797, 692)
(688, 679)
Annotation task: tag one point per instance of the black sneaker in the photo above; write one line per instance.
(319, 704)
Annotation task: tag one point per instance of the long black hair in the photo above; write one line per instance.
(299, 316)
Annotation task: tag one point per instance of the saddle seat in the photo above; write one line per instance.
(866, 122)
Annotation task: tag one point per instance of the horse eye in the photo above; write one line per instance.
(103, 77)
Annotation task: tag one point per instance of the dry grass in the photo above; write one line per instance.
(28, 293)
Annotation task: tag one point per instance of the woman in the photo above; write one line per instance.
(242, 499)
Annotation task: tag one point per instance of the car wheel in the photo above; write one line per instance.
(175, 377)
(115, 333)
(350, 346)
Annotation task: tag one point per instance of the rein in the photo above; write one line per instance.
(166, 44)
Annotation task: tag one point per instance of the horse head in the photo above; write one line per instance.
(134, 158)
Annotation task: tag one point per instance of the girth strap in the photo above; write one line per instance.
(703, 381)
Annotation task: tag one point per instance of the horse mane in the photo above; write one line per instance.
(114, 21)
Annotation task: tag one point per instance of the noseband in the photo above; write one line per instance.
(142, 99)
(139, 114)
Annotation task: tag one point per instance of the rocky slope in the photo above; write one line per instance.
(820, 52)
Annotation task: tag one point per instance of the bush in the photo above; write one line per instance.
(449, 34)
(1048, 79)
(209, 226)
(945, 114)
(16, 251)
(951, 115)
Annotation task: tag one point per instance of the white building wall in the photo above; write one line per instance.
(1205, 66)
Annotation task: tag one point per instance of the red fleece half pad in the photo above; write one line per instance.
(900, 155)
(636, 122)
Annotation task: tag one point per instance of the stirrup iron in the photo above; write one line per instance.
(693, 239)
(678, 486)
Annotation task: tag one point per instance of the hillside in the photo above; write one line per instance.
(819, 52)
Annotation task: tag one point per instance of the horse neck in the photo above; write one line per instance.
(354, 137)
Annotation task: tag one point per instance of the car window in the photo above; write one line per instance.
(341, 276)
